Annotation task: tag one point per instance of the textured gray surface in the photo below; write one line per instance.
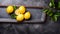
(23, 2)
(49, 27)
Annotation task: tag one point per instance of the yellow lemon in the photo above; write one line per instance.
(17, 12)
(20, 17)
(9, 9)
(22, 9)
(27, 15)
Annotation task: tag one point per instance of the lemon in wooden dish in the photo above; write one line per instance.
(9, 9)
(20, 17)
(22, 9)
(27, 15)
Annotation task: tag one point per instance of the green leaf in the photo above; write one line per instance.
(54, 18)
(53, 4)
(13, 16)
(51, 14)
(15, 7)
(59, 4)
(48, 12)
(57, 14)
(45, 10)
(50, 4)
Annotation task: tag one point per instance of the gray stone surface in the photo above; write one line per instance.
(49, 27)
(23, 2)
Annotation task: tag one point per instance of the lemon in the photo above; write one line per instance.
(27, 15)
(17, 12)
(9, 9)
(20, 17)
(22, 9)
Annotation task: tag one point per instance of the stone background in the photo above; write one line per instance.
(49, 27)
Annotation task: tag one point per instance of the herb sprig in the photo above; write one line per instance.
(13, 15)
(54, 15)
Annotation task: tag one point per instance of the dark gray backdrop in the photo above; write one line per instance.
(49, 27)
